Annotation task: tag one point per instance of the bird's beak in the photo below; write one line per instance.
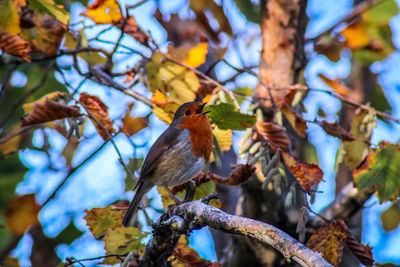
(201, 108)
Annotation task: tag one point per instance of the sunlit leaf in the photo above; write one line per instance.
(15, 46)
(104, 11)
(224, 138)
(99, 111)
(122, 240)
(193, 55)
(329, 241)
(356, 36)
(50, 8)
(21, 212)
(306, 174)
(225, 116)
(362, 125)
(9, 17)
(380, 169)
(391, 217)
(100, 220)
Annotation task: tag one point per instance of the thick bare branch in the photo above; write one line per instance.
(196, 214)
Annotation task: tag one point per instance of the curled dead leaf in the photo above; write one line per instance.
(240, 174)
(274, 133)
(335, 84)
(335, 130)
(96, 108)
(295, 119)
(21, 212)
(132, 125)
(49, 111)
(189, 257)
(15, 46)
(306, 174)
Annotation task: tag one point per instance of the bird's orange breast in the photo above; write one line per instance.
(200, 135)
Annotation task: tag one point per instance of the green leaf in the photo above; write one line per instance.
(9, 17)
(122, 240)
(391, 217)
(69, 234)
(381, 170)
(381, 13)
(243, 94)
(225, 116)
(248, 9)
(361, 126)
(50, 8)
(100, 220)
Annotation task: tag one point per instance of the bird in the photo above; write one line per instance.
(178, 155)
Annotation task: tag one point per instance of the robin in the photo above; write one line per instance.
(178, 155)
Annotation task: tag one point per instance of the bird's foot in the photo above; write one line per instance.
(190, 191)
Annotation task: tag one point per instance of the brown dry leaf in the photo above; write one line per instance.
(274, 133)
(104, 12)
(361, 251)
(52, 96)
(239, 175)
(129, 76)
(11, 262)
(188, 257)
(329, 241)
(15, 46)
(335, 84)
(46, 35)
(133, 125)
(356, 36)
(335, 130)
(69, 150)
(96, 108)
(133, 30)
(295, 119)
(49, 111)
(306, 174)
(22, 211)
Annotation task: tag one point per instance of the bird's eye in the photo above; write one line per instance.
(187, 112)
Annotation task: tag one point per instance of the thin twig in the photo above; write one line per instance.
(119, 256)
(136, 5)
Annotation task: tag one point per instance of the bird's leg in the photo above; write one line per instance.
(190, 191)
(171, 195)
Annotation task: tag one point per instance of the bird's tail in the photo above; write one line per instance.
(141, 189)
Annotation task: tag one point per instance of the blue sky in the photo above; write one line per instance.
(101, 180)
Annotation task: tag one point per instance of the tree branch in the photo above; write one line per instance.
(196, 215)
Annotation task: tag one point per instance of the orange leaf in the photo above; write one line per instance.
(133, 30)
(295, 119)
(335, 84)
(356, 36)
(21, 212)
(15, 46)
(274, 133)
(190, 258)
(96, 108)
(306, 174)
(133, 125)
(104, 11)
(49, 111)
(159, 99)
(329, 241)
(335, 130)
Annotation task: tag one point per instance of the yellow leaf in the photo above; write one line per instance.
(121, 241)
(13, 143)
(197, 55)
(69, 149)
(104, 12)
(9, 17)
(356, 36)
(100, 220)
(159, 98)
(166, 112)
(224, 138)
(21, 212)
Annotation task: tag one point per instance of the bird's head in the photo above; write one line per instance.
(191, 115)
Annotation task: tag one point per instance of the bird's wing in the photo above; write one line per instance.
(154, 156)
